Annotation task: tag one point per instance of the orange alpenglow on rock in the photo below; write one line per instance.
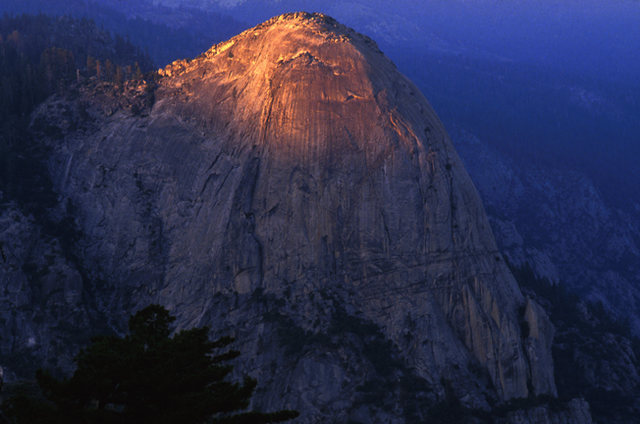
(291, 184)
(356, 173)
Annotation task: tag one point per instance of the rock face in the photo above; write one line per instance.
(292, 187)
(41, 305)
(575, 411)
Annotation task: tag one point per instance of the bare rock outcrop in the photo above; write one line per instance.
(44, 313)
(575, 411)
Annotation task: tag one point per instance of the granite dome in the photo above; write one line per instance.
(290, 184)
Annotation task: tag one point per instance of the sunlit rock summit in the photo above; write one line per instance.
(291, 187)
(333, 173)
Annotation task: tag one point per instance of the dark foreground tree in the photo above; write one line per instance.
(147, 376)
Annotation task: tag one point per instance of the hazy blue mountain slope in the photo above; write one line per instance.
(558, 221)
(166, 34)
(537, 116)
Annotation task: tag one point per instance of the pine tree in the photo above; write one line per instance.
(91, 66)
(108, 70)
(137, 72)
(149, 377)
(119, 78)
